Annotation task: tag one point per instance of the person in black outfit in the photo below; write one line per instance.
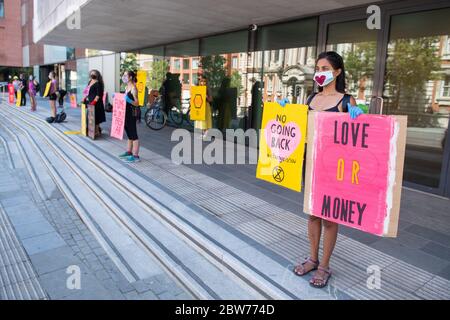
(23, 86)
(95, 98)
(132, 103)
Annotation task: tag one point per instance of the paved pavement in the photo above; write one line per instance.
(414, 265)
(42, 239)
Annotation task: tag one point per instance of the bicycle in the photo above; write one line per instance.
(155, 117)
(177, 116)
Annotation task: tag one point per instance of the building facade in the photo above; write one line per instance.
(400, 67)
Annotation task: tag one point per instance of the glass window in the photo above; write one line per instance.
(152, 60)
(234, 63)
(415, 70)
(195, 63)
(177, 86)
(2, 8)
(446, 87)
(223, 64)
(357, 45)
(195, 79)
(225, 43)
(296, 34)
(185, 78)
(286, 59)
(176, 65)
(186, 64)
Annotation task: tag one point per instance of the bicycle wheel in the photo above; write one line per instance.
(176, 116)
(155, 119)
(190, 122)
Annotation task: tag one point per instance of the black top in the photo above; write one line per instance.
(96, 90)
(345, 100)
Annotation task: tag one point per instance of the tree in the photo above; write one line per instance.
(359, 67)
(157, 74)
(236, 82)
(213, 70)
(410, 65)
(128, 62)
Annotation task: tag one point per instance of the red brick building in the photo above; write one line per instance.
(10, 33)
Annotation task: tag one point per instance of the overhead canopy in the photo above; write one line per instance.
(125, 25)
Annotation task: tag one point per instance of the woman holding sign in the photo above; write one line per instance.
(330, 78)
(207, 123)
(52, 88)
(132, 101)
(94, 98)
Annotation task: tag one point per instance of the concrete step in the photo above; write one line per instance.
(191, 267)
(228, 251)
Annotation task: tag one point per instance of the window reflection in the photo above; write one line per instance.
(357, 45)
(416, 85)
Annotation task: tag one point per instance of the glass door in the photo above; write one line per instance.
(416, 84)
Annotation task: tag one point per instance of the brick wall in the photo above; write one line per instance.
(11, 35)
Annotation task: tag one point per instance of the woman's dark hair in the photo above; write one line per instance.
(99, 78)
(336, 62)
(132, 75)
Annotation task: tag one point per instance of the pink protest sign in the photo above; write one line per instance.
(355, 170)
(118, 117)
(73, 100)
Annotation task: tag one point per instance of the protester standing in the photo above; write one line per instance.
(32, 90)
(23, 87)
(206, 124)
(132, 103)
(52, 95)
(94, 97)
(332, 97)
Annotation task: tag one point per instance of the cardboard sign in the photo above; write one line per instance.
(355, 170)
(198, 103)
(12, 94)
(47, 88)
(83, 120)
(91, 122)
(73, 100)
(118, 117)
(19, 97)
(282, 144)
(140, 85)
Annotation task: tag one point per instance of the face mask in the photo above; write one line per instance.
(323, 78)
(125, 79)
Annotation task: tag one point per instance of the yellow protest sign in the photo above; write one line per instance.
(198, 103)
(19, 97)
(140, 85)
(83, 120)
(47, 89)
(282, 144)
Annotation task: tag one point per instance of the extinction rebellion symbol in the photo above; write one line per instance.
(198, 101)
(278, 174)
